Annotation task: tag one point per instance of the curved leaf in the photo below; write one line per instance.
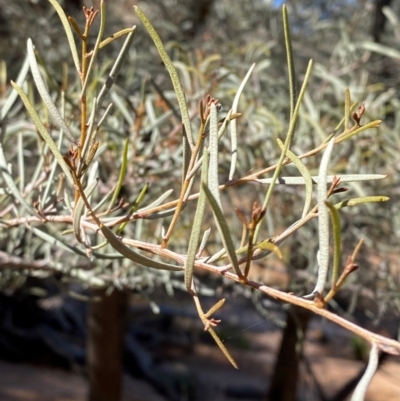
(197, 222)
(41, 87)
(361, 389)
(68, 32)
(223, 230)
(233, 123)
(129, 253)
(122, 172)
(46, 136)
(359, 201)
(306, 176)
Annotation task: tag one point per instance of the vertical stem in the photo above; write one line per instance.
(83, 78)
(84, 67)
(185, 187)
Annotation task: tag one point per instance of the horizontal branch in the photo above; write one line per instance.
(15, 262)
(385, 344)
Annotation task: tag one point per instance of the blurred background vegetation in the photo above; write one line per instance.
(354, 44)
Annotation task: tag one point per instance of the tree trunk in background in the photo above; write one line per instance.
(201, 10)
(284, 381)
(105, 344)
(77, 4)
(380, 19)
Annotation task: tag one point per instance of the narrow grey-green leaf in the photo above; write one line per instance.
(41, 87)
(198, 219)
(347, 135)
(172, 73)
(360, 201)
(104, 116)
(224, 230)
(290, 60)
(50, 180)
(221, 132)
(129, 253)
(380, 49)
(222, 347)
(46, 136)
(122, 172)
(21, 162)
(347, 106)
(329, 179)
(361, 389)
(233, 123)
(337, 243)
(90, 136)
(306, 176)
(323, 220)
(116, 67)
(229, 117)
(114, 36)
(161, 214)
(217, 256)
(203, 243)
(13, 95)
(213, 183)
(134, 206)
(121, 105)
(87, 277)
(288, 141)
(55, 241)
(11, 183)
(157, 202)
(68, 32)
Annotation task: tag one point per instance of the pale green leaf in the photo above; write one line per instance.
(224, 230)
(172, 73)
(68, 31)
(306, 176)
(323, 220)
(213, 183)
(233, 123)
(196, 230)
(13, 95)
(129, 253)
(288, 141)
(41, 87)
(11, 183)
(360, 201)
(122, 173)
(337, 243)
(43, 132)
(290, 60)
(373, 362)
